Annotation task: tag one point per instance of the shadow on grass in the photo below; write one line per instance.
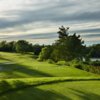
(85, 95)
(23, 91)
(1, 58)
(10, 93)
(34, 94)
(12, 69)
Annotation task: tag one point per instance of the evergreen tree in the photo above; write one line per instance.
(68, 47)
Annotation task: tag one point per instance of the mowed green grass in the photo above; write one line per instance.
(45, 81)
(15, 65)
(75, 90)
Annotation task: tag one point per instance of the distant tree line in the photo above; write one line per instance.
(94, 51)
(20, 46)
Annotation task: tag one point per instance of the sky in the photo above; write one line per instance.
(37, 21)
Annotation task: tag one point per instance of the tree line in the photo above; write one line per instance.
(20, 46)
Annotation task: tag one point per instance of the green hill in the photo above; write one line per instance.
(23, 77)
(17, 65)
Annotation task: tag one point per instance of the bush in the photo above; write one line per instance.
(45, 53)
(95, 63)
(93, 66)
(86, 62)
(79, 66)
(86, 68)
(40, 60)
(61, 63)
(50, 61)
(75, 61)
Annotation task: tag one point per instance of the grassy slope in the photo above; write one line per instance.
(26, 66)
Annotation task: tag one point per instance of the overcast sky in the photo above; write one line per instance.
(38, 20)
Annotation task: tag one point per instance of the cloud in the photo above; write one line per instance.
(89, 30)
(59, 11)
(35, 17)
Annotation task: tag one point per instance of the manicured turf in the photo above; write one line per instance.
(16, 65)
(23, 77)
(82, 90)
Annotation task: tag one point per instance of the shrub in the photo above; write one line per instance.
(95, 63)
(86, 62)
(45, 53)
(40, 60)
(61, 63)
(50, 61)
(75, 61)
(79, 66)
(86, 68)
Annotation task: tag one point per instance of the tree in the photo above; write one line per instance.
(63, 32)
(45, 53)
(22, 46)
(68, 47)
(11, 46)
(3, 46)
(37, 48)
(94, 51)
